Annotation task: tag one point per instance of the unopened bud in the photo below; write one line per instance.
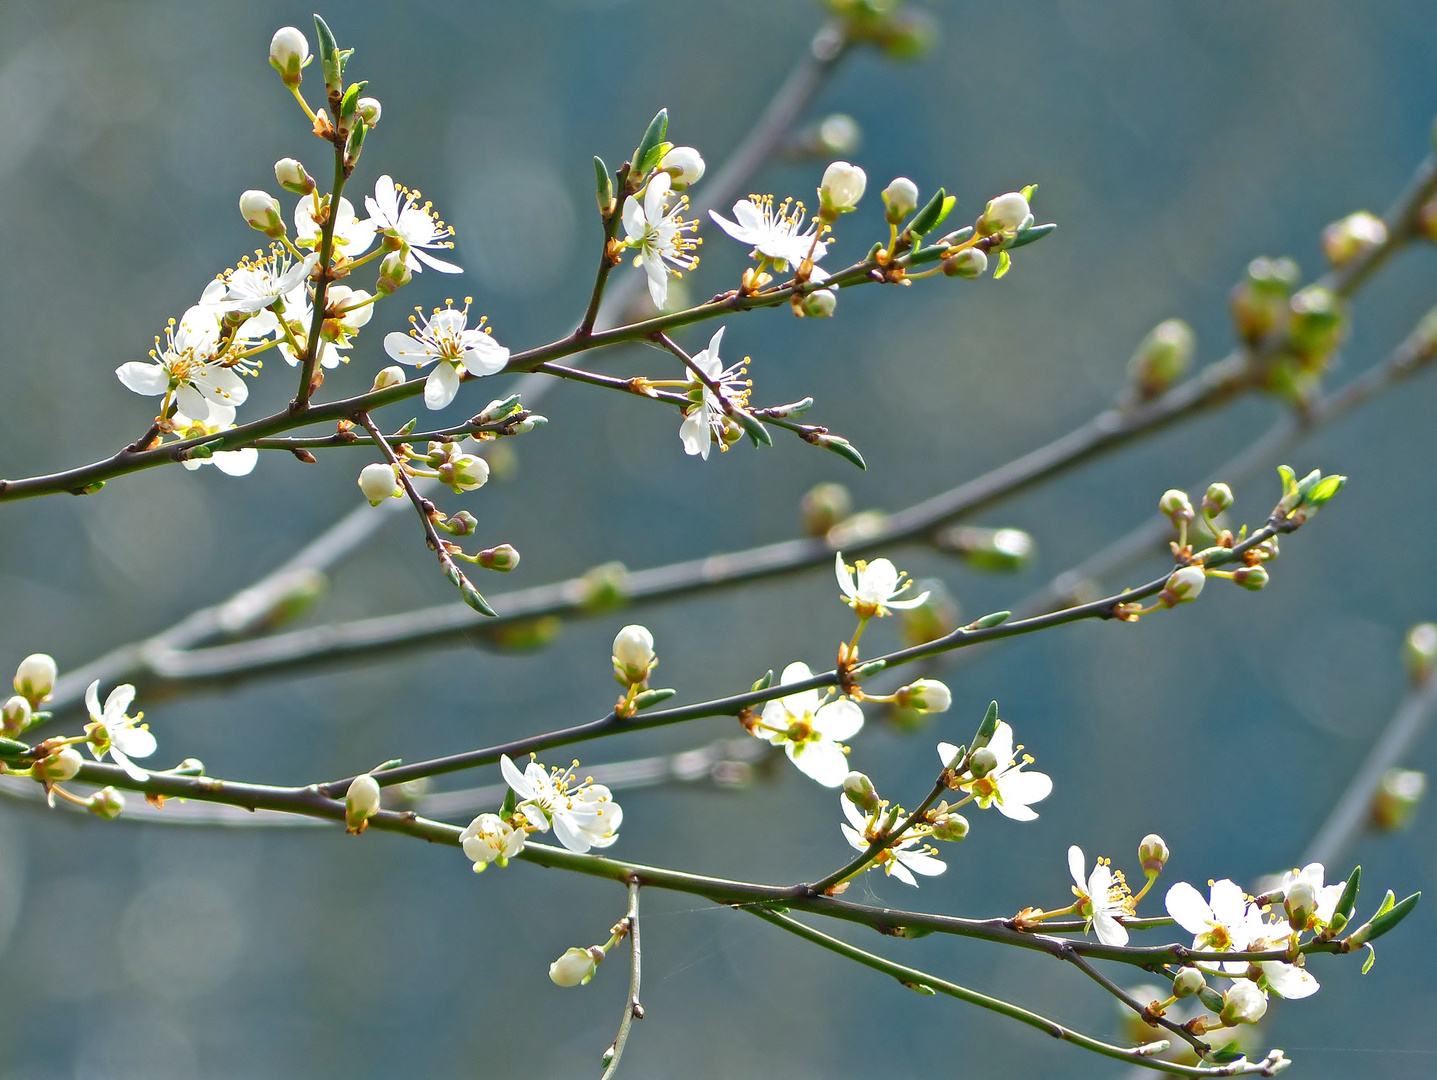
(1251, 578)
(820, 304)
(260, 209)
(1005, 214)
(839, 133)
(823, 507)
(988, 549)
(35, 677)
(107, 803)
(1317, 323)
(1187, 982)
(502, 558)
(1419, 651)
(464, 472)
(633, 654)
(377, 482)
(393, 375)
(1354, 234)
(361, 802)
(1162, 357)
(461, 524)
(843, 185)
(1300, 904)
(293, 176)
(576, 967)
(1267, 550)
(1243, 1003)
(369, 110)
(1260, 299)
(684, 164)
(1176, 507)
(982, 761)
(900, 198)
(950, 827)
(925, 696)
(860, 792)
(289, 53)
(1217, 499)
(1398, 795)
(968, 263)
(15, 715)
(1152, 854)
(62, 766)
(1184, 585)
(394, 273)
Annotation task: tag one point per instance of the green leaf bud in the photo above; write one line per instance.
(1217, 500)
(1251, 578)
(1161, 358)
(1344, 240)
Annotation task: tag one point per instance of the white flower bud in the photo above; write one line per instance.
(361, 802)
(61, 766)
(982, 761)
(35, 677)
(288, 53)
(861, 792)
(1217, 499)
(503, 558)
(260, 209)
(394, 273)
(684, 164)
(1187, 982)
(393, 375)
(925, 696)
(293, 176)
(576, 966)
(107, 803)
(1176, 506)
(633, 654)
(843, 185)
(489, 838)
(950, 827)
(1152, 854)
(901, 199)
(464, 472)
(820, 304)
(369, 109)
(1184, 585)
(1243, 1003)
(378, 483)
(15, 714)
(1300, 904)
(968, 263)
(1004, 214)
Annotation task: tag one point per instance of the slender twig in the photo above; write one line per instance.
(608, 258)
(886, 840)
(314, 347)
(632, 1009)
(1133, 1003)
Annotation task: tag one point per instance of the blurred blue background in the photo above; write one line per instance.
(1172, 142)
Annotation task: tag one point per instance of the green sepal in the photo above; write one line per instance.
(1225, 1054)
(1004, 263)
(987, 622)
(1348, 900)
(845, 449)
(649, 146)
(1030, 235)
(933, 212)
(763, 682)
(603, 184)
(988, 727)
(1392, 915)
(11, 748)
(652, 697)
(1210, 998)
(510, 804)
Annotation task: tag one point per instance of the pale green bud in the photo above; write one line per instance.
(633, 654)
(394, 273)
(1398, 795)
(925, 696)
(1152, 854)
(1184, 586)
(377, 482)
(289, 53)
(820, 304)
(1217, 499)
(968, 263)
(1419, 651)
(843, 185)
(684, 164)
(1005, 214)
(292, 176)
(107, 803)
(35, 677)
(260, 209)
(1344, 240)
(1176, 506)
(900, 198)
(393, 375)
(861, 792)
(577, 966)
(1162, 357)
(361, 802)
(823, 507)
(1243, 1003)
(464, 472)
(15, 715)
(950, 827)
(503, 558)
(1187, 982)
(1300, 904)
(1251, 578)
(982, 761)
(369, 110)
(61, 766)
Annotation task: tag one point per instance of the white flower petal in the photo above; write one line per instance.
(441, 385)
(1188, 909)
(838, 720)
(822, 761)
(147, 379)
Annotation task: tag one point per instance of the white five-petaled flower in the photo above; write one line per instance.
(489, 838)
(395, 210)
(776, 234)
(1286, 980)
(810, 732)
(1101, 897)
(1226, 922)
(1008, 785)
(658, 232)
(230, 462)
(1324, 897)
(254, 286)
(352, 235)
(876, 587)
(110, 730)
(187, 364)
(901, 860)
(446, 337)
(703, 424)
(584, 815)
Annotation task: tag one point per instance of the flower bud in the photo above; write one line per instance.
(393, 375)
(489, 838)
(502, 558)
(684, 164)
(1152, 854)
(1184, 585)
(1316, 324)
(35, 677)
(1398, 795)
(823, 507)
(56, 767)
(576, 967)
(839, 133)
(843, 185)
(1176, 507)
(861, 792)
(1187, 982)
(925, 696)
(15, 715)
(982, 761)
(900, 198)
(951, 827)
(1267, 550)
(1344, 240)
(465, 472)
(377, 482)
(293, 176)
(394, 273)
(1419, 651)
(1162, 357)
(361, 802)
(1260, 299)
(260, 209)
(987, 549)
(461, 524)
(968, 263)
(633, 654)
(1251, 578)
(1217, 499)
(288, 53)
(107, 803)
(1005, 214)
(369, 110)
(1300, 904)
(820, 304)
(1243, 1003)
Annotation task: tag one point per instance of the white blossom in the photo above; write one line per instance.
(254, 286)
(776, 234)
(658, 233)
(809, 732)
(1008, 785)
(1101, 898)
(872, 588)
(901, 860)
(352, 235)
(703, 424)
(489, 838)
(1226, 922)
(446, 337)
(230, 462)
(110, 730)
(187, 364)
(583, 815)
(394, 209)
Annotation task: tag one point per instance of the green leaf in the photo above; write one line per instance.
(844, 449)
(652, 697)
(328, 55)
(472, 597)
(955, 238)
(11, 748)
(603, 184)
(764, 681)
(1226, 1053)
(873, 667)
(1387, 920)
(1289, 479)
(406, 429)
(391, 763)
(1030, 235)
(1328, 487)
(1371, 959)
(754, 429)
(511, 802)
(988, 727)
(350, 100)
(1211, 999)
(932, 213)
(649, 145)
(1004, 263)
(1348, 900)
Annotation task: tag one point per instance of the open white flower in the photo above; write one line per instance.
(230, 462)
(1226, 922)
(394, 209)
(489, 838)
(446, 337)
(187, 365)
(254, 286)
(658, 232)
(773, 233)
(583, 815)
(352, 235)
(809, 732)
(902, 860)
(1007, 785)
(872, 588)
(1324, 897)
(703, 424)
(111, 731)
(1101, 897)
